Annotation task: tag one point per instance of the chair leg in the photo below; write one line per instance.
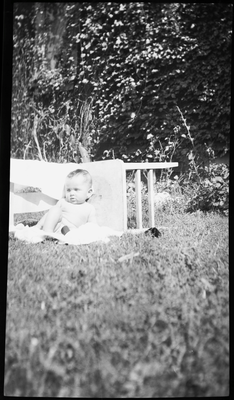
(138, 199)
(151, 197)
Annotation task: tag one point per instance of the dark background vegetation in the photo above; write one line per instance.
(108, 78)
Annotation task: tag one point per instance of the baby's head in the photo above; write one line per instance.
(78, 186)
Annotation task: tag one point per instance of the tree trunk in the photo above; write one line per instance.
(50, 46)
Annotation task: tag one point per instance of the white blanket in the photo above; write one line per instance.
(85, 234)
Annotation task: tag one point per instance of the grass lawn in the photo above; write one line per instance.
(84, 321)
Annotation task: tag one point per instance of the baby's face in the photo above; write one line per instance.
(77, 189)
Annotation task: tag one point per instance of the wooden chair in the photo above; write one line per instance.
(109, 183)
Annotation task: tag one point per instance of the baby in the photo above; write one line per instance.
(72, 210)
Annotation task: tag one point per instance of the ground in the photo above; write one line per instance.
(135, 317)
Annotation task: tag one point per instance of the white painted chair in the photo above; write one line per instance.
(109, 183)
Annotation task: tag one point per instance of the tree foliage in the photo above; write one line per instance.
(112, 76)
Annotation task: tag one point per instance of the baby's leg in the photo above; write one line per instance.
(52, 218)
(40, 223)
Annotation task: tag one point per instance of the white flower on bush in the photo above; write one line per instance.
(149, 136)
(161, 198)
(34, 342)
(138, 152)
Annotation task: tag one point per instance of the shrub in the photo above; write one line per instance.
(211, 191)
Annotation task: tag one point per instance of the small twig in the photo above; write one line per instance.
(44, 151)
(186, 126)
(191, 139)
(26, 148)
(40, 115)
(34, 132)
(84, 154)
